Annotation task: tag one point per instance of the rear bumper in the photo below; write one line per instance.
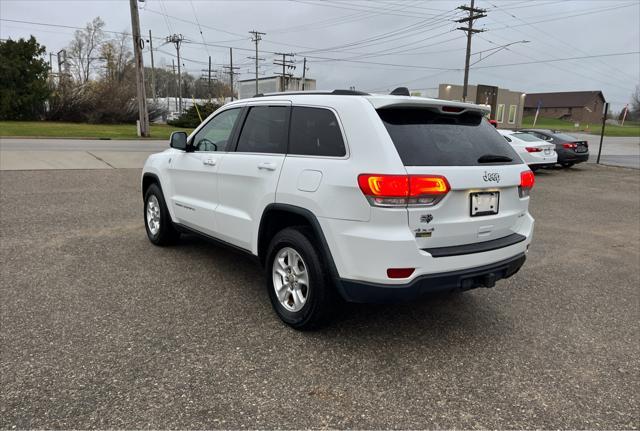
(541, 165)
(568, 156)
(482, 276)
(540, 159)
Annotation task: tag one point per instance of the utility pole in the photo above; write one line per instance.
(474, 13)
(51, 69)
(231, 71)
(137, 45)
(209, 79)
(153, 71)
(604, 123)
(62, 72)
(173, 67)
(177, 39)
(257, 37)
(286, 63)
(304, 71)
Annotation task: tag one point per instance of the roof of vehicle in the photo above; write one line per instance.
(377, 100)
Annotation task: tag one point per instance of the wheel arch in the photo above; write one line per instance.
(276, 217)
(149, 178)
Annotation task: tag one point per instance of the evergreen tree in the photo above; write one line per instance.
(23, 79)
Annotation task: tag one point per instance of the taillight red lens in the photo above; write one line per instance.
(400, 272)
(571, 145)
(527, 179)
(428, 185)
(402, 190)
(533, 149)
(384, 185)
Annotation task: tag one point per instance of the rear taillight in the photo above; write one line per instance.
(527, 180)
(403, 190)
(533, 149)
(570, 145)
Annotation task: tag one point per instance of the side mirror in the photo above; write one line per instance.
(178, 141)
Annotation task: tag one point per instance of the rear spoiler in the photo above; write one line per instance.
(420, 102)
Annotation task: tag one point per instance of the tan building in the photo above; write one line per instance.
(581, 106)
(506, 105)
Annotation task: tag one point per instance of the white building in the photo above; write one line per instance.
(273, 84)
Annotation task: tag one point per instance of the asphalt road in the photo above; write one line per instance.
(37, 154)
(100, 329)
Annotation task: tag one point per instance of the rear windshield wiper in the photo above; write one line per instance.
(494, 158)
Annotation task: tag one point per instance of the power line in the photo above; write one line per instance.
(561, 17)
(367, 8)
(552, 60)
(561, 41)
(572, 72)
(195, 15)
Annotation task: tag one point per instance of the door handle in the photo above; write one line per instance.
(209, 162)
(267, 166)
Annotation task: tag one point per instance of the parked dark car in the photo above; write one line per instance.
(570, 150)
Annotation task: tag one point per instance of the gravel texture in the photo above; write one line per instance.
(100, 329)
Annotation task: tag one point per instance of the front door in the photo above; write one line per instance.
(249, 176)
(194, 173)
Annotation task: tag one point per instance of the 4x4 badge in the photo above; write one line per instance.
(491, 176)
(426, 218)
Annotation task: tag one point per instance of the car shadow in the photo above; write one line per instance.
(432, 316)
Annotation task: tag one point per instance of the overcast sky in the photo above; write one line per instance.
(375, 45)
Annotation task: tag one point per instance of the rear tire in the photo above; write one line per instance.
(300, 291)
(157, 220)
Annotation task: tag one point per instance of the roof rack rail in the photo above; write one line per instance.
(334, 92)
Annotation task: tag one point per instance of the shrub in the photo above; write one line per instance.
(190, 118)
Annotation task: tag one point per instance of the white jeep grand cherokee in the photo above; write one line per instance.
(369, 197)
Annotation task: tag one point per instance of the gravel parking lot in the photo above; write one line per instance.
(101, 329)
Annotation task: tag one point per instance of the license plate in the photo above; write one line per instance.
(581, 149)
(547, 151)
(484, 203)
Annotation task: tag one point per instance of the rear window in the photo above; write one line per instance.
(315, 132)
(424, 137)
(526, 137)
(564, 137)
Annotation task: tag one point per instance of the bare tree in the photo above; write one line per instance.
(635, 103)
(83, 50)
(117, 57)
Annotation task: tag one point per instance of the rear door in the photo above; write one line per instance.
(481, 167)
(249, 175)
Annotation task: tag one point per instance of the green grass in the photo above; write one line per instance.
(630, 128)
(54, 129)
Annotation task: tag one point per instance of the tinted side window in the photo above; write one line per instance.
(265, 130)
(315, 132)
(215, 134)
(424, 137)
